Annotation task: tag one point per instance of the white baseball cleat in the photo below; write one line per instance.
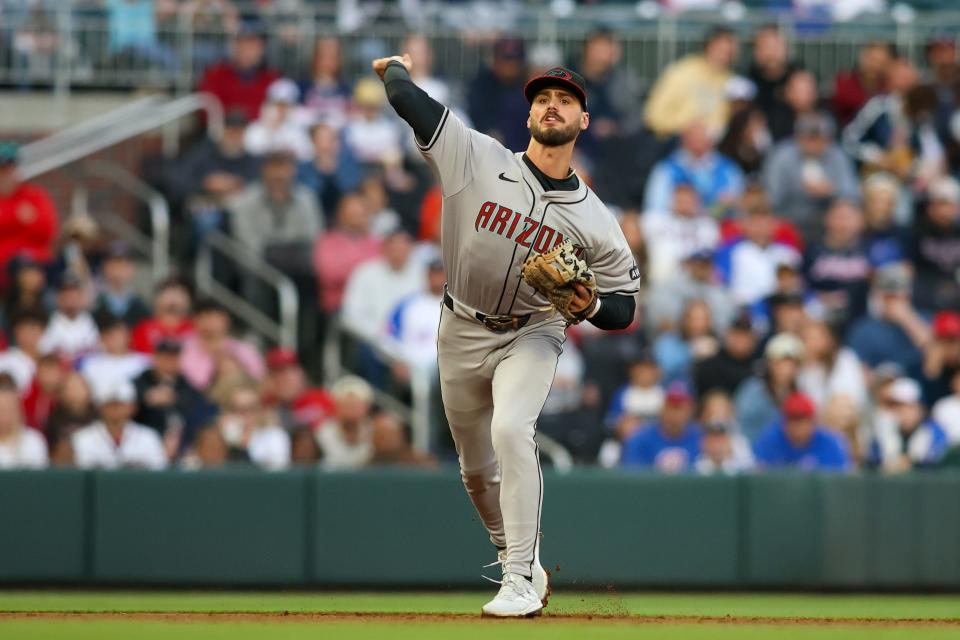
(541, 579)
(516, 599)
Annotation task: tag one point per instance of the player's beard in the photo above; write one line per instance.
(554, 136)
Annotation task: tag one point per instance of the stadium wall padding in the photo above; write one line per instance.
(400, 528)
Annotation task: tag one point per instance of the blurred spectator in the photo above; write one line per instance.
(717, 180)
(694, 88)
(28, 219)
(332, 170)
(326, 96)
(115, 440)
(275, 211)
(279, 127)
(341, 249)
(412, 324)
(167, 402)
(887, 242)
(41, 397)
(251, 430)
(346, 439)
(748, 265)
(798, 442)
(935, 250)
(304, 449)
(28, 291)
(211, 343)
(241, 81)
(946, 412)
(895, 132)
(675, 233)
(171, 316)
(770, 69)
(837, 269)
(678, 351)
(852, 89)
(20, 359)
(747, 140)
(732, 364)
(800, 97)
(894, 331)
(723, 450)
(390, 445)
(374, 136)
(759, 398)
(671, 444)
(71, 331)
(209, 450)
(132, 26)
(211, 172)
(613, 92)
(228, 374)
(825, 173)
(117, 296)
(208, 20)
(383, 218)
(941, 358)
(73, 410)
(20, 446)
(421, 54)
(114, 361)
(639, 401)
(905, 438)
(694, 281)
(288, 394)
(829, 369)
(495, 100)
(787, 313)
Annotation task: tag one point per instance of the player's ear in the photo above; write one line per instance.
(584, 121)
(528, 121)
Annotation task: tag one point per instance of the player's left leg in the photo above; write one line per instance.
(521, 382)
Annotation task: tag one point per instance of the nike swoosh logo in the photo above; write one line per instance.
(505, 178)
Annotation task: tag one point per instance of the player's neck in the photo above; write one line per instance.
(554, 162)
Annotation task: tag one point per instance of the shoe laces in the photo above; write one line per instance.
(501, 560)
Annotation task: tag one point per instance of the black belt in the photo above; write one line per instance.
(496, 324)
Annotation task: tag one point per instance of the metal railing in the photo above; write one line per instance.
(282, 332)
(157, 245)
(76, 44)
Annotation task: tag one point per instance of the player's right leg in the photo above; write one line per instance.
(465, 386)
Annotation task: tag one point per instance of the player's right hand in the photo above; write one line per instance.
(380, 64)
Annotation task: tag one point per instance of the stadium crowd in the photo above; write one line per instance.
(801, 249)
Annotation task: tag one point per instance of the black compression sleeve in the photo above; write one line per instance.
(412, 103)
(616, 312)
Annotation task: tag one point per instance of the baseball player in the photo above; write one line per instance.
(499, 337)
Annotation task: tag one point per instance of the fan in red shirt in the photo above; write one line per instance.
(28, 219)
(852, 89)
(241, 81)
(286, 391)
(171, 317)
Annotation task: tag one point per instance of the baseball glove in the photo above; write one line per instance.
(553, 273)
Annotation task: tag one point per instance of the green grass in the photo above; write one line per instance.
(598, 604)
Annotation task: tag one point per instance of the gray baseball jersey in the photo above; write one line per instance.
(496, 213)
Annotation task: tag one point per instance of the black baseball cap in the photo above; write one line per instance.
(558, 76)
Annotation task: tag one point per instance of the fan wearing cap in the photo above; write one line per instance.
(114, 360)
(286, 391)
(28, 218)
(894, 331)
(115, 441)
(499, 339)
(71, 331)
(670, 444)
(759, 397)
(678, 232)
(941, 358)
(904, 437)
(241, 81)
(935, 247)
(117, 296)
(798, 442)
(166, 402)
(280, 126)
